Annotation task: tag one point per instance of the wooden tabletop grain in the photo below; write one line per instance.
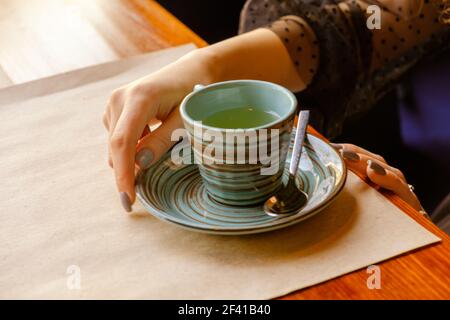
(40, 38)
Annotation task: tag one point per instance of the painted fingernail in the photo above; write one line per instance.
(350, 155)
(337, 146)
(144, 158)
(125, 200)
(376, 167)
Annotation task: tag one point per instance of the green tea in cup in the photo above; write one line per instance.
(242, 117)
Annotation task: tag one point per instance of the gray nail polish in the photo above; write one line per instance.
(376, 167)
(350, 155)
(125, 200)
(337, 146)
(144, 158)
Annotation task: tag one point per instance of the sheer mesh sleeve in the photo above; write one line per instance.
(347, 65)
(301, 43)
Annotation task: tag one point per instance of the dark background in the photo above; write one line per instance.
(377, 130)
(213, 20)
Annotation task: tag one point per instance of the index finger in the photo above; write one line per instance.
(358, 149)
(127, 132)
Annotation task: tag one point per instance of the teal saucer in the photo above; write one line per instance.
(176, 193)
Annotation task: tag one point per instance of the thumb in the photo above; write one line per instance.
(154, 145)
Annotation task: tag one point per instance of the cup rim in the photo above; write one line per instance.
(191, 121)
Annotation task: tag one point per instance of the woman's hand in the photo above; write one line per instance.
(133, 107)
(378, 171)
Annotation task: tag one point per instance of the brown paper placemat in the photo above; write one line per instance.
(4, 79)
(61, 216)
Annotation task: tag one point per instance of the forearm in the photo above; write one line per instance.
(255, 55)
(258, 54)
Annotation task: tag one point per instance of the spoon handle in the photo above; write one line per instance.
(298, 141)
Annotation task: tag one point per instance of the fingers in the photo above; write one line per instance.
(106, 121)
(355, 161)
(358, 162)
(379, 172)
(158, 142)
(356, 149)
(145, 132)
(123, 139)
(113, 110)
(129, 111)
(391, 181)
(365, 155)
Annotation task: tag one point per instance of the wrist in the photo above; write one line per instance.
(178, 79)
(203, 66)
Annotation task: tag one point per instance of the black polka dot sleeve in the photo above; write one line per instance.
(340, 52)
(301, 43)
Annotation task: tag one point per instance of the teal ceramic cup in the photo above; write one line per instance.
(240, 167)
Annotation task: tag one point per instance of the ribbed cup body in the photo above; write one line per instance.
(241, 184)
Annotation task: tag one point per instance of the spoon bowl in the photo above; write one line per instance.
(289, 199)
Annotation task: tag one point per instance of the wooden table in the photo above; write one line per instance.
(39, 38)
